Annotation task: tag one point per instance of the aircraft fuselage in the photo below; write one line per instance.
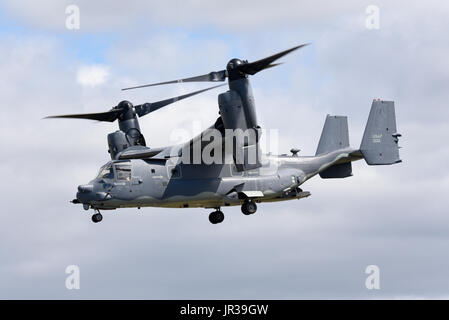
(168, 183)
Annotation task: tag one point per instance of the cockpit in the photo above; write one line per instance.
(117, 170)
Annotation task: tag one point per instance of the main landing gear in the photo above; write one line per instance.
(216, 217)
(97, 217)
(249, 207)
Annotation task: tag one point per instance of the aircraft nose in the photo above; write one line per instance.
(85, 194)
(89, 192)
(85, 188)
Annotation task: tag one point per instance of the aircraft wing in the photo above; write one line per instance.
(138, 152)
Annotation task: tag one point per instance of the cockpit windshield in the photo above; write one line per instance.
(120, 170)
(106, 172)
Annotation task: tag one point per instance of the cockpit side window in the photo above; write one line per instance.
(123, 171)
(106, 172)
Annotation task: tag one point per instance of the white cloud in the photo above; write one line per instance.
(91, 76)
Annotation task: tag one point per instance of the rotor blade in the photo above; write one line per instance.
(210, 77)
(109, 116)
(273, 65)
(256, 66)
(146, 108)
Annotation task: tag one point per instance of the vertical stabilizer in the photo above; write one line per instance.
(334, 135)
(380, 140)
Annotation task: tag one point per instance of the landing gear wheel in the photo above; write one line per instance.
(249, 207)
(216, 217)
(97, 217)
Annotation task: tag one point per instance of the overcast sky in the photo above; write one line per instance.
(395, 217)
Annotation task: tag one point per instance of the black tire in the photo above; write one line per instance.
(216, 217)
(212, 218)
(245, 210)
(219, 216)
(249, 207)
(97, 218)
(252, 207)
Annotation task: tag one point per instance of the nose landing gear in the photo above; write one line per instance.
(216, 217)
(97, 217)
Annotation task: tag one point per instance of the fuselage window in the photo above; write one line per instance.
(123, 171)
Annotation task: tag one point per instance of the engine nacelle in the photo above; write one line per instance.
(231, 110)
(129, 133)
(117, 142)
(246, 151)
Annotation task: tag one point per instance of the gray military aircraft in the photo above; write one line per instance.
(183, 176)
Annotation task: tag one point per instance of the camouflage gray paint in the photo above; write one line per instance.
(164, 181)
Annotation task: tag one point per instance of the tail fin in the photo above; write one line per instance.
(334, 135)
(380, 140)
